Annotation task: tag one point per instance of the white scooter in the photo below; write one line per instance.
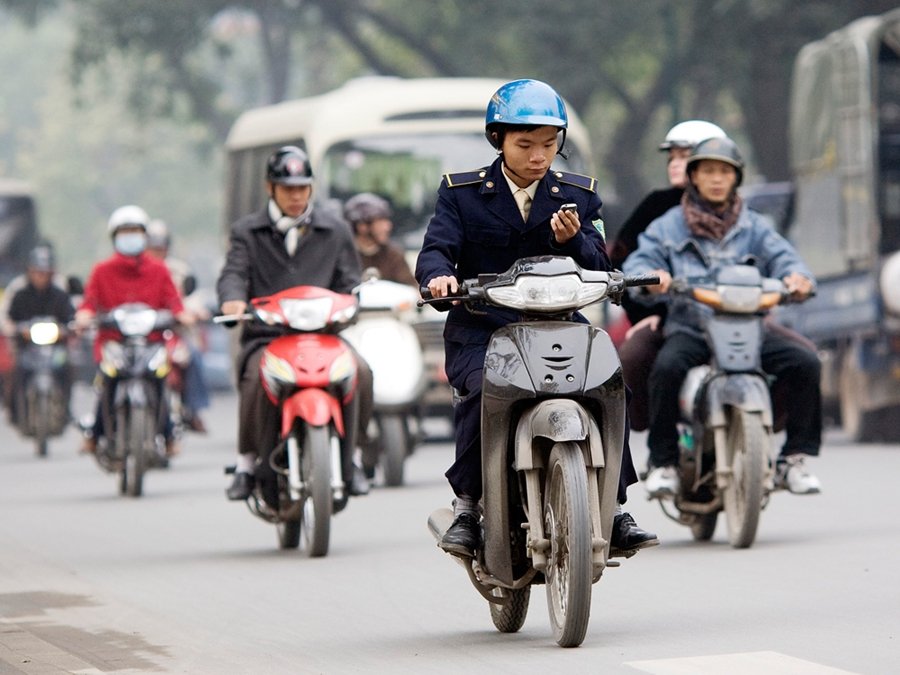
(384, 337)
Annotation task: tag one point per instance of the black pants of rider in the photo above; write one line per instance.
(783, 358)
(465, 364)
(259, 421)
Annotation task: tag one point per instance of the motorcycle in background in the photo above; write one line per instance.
(553, 430)
(726, 428)
(384, 337)
(133, 370)
(42, 397)
(309, 373)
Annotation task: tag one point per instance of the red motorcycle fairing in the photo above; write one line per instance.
(316, 407)
(310, 358)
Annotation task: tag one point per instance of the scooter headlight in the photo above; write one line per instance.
(740, 299)
(307, 314)
(44, 333)
(550, 294)
(135, 322)
(890, 284)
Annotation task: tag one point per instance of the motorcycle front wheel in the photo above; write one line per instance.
(139, 434)
(747, 441)
(42, 412)
(315, 464)
(567, 525)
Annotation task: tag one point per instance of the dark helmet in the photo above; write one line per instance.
(41, 258)
(289, 165)
(525, 102)
(366, 207)
(721, 149)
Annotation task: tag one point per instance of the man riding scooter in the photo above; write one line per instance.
(484, 221)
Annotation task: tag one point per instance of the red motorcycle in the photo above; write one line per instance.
(311, 375)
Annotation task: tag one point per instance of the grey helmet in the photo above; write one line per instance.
(366, 207)
(721, 149)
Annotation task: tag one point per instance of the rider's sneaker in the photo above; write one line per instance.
(662, 481)
(794, 476)
(359, 484)
(627, 537)
(463, 537)
(241, 487)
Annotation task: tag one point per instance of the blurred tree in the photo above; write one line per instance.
(632, 68)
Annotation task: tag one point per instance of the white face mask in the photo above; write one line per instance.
(130, 243)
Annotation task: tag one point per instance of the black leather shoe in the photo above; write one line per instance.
(627, 538)
(241, 487)
(359, 484)
(463, 537)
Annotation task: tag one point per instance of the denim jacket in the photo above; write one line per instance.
(669, 245)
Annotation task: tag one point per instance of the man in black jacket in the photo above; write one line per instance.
(287, 243)
(644, 338)
(32, 296)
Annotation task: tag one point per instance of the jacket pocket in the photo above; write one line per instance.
(490, 236)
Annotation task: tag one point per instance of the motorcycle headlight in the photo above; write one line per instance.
(307, 314)
(890, 284)
(44, 333)
(550, 294)
(135, 321)
(112, 358)
(740, 299)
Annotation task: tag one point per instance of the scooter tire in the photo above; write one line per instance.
(510, 616)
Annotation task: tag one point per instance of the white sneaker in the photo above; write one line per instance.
(662, 481)
(795, 477)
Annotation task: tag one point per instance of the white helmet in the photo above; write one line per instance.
(690, 133)
(127, 215)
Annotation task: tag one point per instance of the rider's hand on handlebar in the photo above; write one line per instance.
(83, 320)
(186, 318)
(798, 286)
(442, 287)
(233, 307)
(665, 281)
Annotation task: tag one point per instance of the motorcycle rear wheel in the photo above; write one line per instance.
(567, 525)
(394, 448)
(747, 442)
(288, 534)
(315, 467)
(704, 526)
(510, 617)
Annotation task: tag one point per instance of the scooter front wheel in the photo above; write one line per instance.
(747, 442)
(567, 525)
(315, 462)
(394, 448)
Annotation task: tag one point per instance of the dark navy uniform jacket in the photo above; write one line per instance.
(477, 229)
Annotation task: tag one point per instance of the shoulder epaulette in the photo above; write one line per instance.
(464, 177)
(588, 183)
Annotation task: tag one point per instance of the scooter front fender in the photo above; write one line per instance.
(744, 391)
(556, 421)
(315, 407)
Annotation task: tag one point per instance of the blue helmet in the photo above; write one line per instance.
(525, 102)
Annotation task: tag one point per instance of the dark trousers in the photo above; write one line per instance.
(791, 363)
(637, 354)
(465, 364)
(259, 420)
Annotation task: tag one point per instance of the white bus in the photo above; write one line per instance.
(391, 136)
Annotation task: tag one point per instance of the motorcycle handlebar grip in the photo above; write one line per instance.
(642, 280)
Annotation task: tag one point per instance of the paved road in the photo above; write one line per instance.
(181, 581)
